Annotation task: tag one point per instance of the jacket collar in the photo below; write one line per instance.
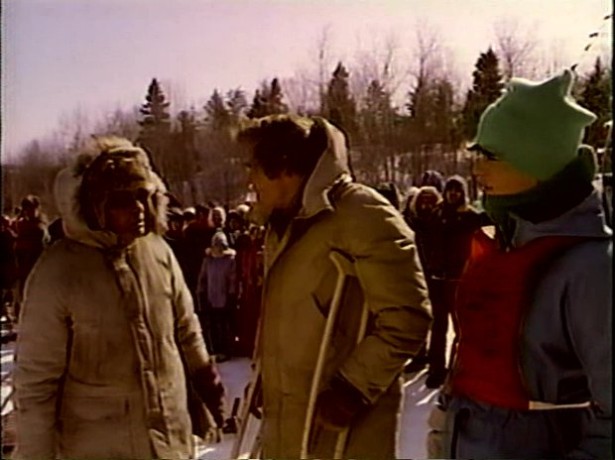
(586, 219)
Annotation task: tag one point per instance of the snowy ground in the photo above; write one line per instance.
(235, 375)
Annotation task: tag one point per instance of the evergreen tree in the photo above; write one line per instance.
(338, 105)
(155, 125)
(275, 98)
(236, 103)
(258, 108)
(376, 146)
(268, 100)
(218, 116)
(486, 88)
(596, 95)
(184, 147)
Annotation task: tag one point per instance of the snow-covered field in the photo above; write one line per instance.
(235, 374)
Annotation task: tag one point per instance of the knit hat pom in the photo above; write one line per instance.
(535, 126)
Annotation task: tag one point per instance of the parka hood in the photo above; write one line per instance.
(332, 167)
(67, 191)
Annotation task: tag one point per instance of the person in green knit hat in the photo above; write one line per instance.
(532, 374)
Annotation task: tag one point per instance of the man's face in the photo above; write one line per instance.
(496, 177)
(273, 194)
(425, 202)
(453, 195)
(126, 213)
(217, 218)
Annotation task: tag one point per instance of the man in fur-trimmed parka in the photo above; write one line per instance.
(299, 169)
(106, 323)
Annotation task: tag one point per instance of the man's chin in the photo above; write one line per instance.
(259, 214)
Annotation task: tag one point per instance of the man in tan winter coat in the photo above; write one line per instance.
(299, 169)
(106, 323)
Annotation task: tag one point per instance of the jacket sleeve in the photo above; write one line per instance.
(387, 265)
(588, 311)
(189, 335)
(202, 371)
(41, 361)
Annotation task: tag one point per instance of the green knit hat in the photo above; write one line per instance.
(535, 126)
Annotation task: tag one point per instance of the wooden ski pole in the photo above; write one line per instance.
(249, 400)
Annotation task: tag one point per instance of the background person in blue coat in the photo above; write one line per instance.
(532, 376)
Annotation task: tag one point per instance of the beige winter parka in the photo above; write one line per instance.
(98, 368)
(340, 215)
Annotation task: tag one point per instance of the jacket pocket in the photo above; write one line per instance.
(95, 427)
(86, 408)
(85, 353)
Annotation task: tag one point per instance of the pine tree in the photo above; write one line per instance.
(155, 125)
(236, 103)
(275, 98)
(268, 100)
(486, 88)
(218, 116)
(338, 105)
(596, 96)
(184, 146)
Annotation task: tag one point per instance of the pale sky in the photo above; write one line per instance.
(95, 55)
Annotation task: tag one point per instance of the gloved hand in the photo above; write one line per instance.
(214, 435)
(337, 406)
(206, 382)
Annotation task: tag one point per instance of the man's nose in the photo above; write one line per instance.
(138, 206)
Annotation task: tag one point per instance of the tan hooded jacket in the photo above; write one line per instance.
(337, 214)
(98, 368)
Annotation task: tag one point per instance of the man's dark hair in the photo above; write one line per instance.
(285, 143)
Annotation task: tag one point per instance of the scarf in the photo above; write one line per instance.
(547, 200)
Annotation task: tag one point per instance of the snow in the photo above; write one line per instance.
(417, 405)
(235, 374)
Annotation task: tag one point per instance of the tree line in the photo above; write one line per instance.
(390, 142)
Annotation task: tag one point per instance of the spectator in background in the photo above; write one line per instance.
(31, 230)
(197, 234)
(8, 267)
(189, 215)
(235, 228)
(217, 295)
(454, 224)
(433, 178)
(406, 211)
(250, 278)
(174, 236)
(422, 221)
(390, 192)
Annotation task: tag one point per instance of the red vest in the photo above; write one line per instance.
(493, 296)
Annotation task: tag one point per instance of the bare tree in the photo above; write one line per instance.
(380, 61)
(516, 47)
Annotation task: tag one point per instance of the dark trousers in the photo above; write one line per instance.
(442, 297)
(219, 330)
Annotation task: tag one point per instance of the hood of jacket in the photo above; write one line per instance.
(587, 219)
(332, 168)
(66, 193)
